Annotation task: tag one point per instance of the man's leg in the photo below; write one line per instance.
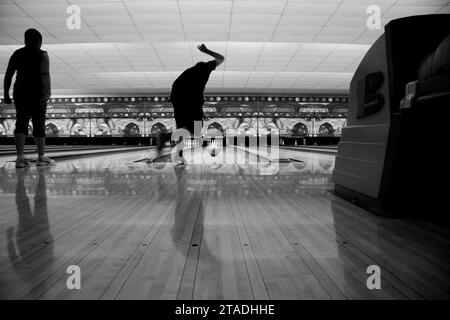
(184, 120)
(179, 119)
(38, 119)
(180, 135)
(19, 139)
(40, 146)
(20, 132)
(179, 147)
(161, 140)
(180, 159)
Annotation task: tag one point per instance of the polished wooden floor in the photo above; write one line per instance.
(215, 230)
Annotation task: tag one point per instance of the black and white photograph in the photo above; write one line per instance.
(224, 156)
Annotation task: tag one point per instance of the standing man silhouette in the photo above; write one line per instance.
(187, 95)
(31, 93)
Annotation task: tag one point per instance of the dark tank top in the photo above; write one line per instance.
(28, 63)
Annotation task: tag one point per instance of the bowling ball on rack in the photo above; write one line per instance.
(441, 58)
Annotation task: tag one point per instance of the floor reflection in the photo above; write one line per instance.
(194, 232)
(400, 247)
(283, 215)
(32, 231)
(106, 175)
(190, 209)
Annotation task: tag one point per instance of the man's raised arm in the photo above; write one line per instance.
(219, 58)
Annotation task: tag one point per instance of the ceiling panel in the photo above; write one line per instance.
(141, 46)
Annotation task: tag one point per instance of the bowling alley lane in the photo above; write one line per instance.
(242, 224)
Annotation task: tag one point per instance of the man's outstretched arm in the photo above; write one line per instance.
(219, 58)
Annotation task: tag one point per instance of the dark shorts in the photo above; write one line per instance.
(30, 109)
(188, 124)
(186, 114)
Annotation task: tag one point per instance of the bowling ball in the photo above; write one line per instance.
(213, 150)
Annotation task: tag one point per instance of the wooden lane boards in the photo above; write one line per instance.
(61, 219)
(381, 241)
(354, 232)
(190, 267)
(105, 267)
(284, 273)
(157, 271)
(411, 256)
(165, 155)
(258, 285)
(364, 251)
(222, 272)
(339, 272)
(48, 268)
(297, 232)
(44, 267)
